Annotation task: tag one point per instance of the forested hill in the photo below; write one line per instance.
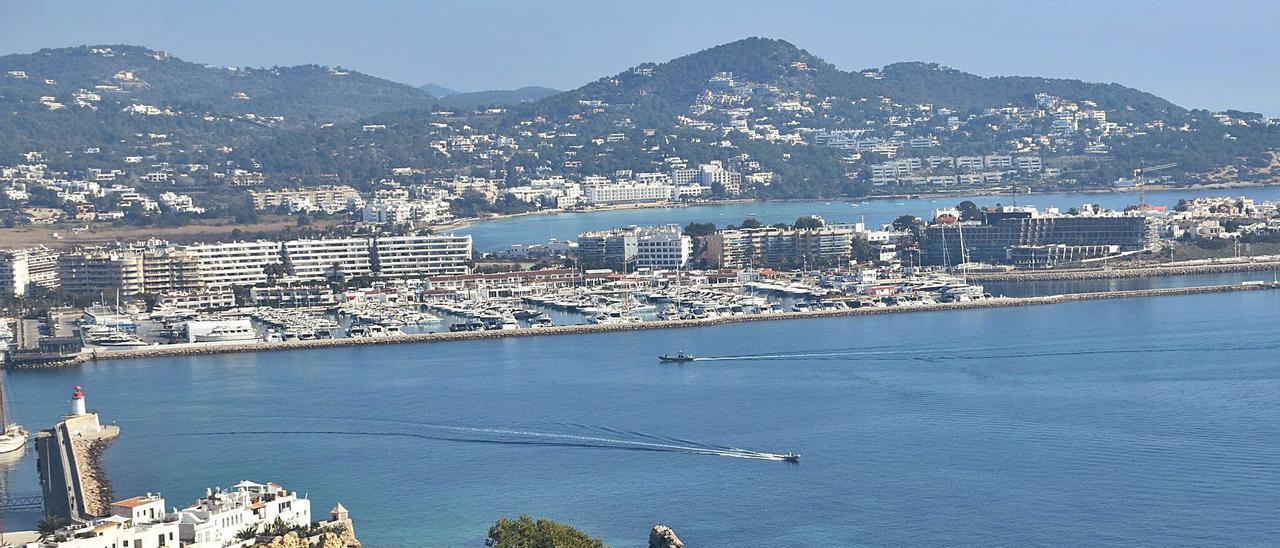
(792, 124)
(495, 98)
(662, 91)
(124, 75)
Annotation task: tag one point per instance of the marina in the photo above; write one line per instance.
(900, 418)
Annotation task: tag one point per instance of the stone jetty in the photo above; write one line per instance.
(1140, 272)
(74, 485)
(998, 302)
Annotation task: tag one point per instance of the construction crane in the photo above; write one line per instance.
(1140, 178)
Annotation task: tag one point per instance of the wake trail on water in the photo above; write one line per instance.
(941, 354)
(626, 440)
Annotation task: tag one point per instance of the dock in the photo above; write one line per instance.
(996, 302)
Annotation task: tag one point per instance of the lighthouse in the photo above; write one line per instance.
(77, 402)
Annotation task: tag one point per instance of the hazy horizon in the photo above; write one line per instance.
(1177, 50)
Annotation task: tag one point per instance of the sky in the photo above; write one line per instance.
(1200, 54)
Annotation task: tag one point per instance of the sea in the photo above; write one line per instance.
(1120, 422)
(500, 234)
(1148, 421)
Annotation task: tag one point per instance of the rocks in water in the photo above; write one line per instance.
(662, 536)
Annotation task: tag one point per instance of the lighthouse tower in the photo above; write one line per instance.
(77, 402)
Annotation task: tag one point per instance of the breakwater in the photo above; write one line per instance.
(1141, 272)
(72, 479)
(999, 302)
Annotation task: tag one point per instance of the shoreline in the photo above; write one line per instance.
(997, 302)
(459, 224)
(1128, 272)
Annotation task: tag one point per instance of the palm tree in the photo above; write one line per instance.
(49, 525)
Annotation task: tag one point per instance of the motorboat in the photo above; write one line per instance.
(791, 457)
(117, 340)
(227, 333)
(679, 357)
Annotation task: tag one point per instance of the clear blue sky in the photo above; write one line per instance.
(1210, 54)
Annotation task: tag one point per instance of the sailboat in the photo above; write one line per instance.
(14, 437)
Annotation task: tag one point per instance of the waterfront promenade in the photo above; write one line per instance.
(997, 302)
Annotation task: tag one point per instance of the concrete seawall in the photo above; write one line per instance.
(70, 465)
(1145, 272)
(162, 351)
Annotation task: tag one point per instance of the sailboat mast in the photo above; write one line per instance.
(4, 411)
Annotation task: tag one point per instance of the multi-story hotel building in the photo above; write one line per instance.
(416, 256)
(21, 270)
(311, 259)
(233, 264)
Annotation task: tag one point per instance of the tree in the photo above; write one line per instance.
(905, 222)
(863, 252)
(695, 229)
(969, 211)
(751, 222)
(809, 221)
(543, 533)
(49, 525)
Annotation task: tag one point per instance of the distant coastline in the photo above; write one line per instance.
(460, 224)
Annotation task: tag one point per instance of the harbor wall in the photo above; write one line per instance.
(72, 481)
(1143, 272)
(999, 302)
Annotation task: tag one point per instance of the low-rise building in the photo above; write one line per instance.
(329, 199)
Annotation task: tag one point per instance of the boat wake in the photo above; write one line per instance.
(942, 354)
(608, 438)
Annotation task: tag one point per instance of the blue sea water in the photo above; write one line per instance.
(502, 233)
(1124, 422)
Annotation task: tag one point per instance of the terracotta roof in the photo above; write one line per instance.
(130, 503)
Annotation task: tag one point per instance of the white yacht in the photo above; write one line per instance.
(228, 333)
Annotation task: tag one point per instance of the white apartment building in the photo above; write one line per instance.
(329, 199)
(1031, 164)
(215, 520)
(428, 255)
(235, 263)
(404, 211)
(628, 192)
(682, 177)
(209, 299)
(21, 270)
(713, 174)
(311, 259)
(662, 248)
(693, 190)
(136, 522)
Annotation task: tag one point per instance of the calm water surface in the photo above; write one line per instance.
(500, 234)
(1140, 421)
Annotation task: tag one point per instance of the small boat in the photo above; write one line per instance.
(679, 357)
(791, 457)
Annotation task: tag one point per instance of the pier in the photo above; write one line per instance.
(997, 302)
(70, 464)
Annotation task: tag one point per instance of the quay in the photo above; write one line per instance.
(995, 302)
(1183, 269)
(74, 485)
